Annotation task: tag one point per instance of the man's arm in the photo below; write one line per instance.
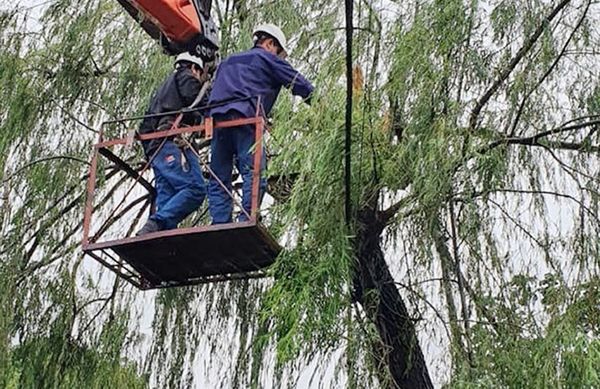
(290, 78)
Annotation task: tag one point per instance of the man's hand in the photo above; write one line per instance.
(308, 100)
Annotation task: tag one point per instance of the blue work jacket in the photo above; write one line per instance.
(253, 73)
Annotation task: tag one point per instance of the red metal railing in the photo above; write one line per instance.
(103, 146)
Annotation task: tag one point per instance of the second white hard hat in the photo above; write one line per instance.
(187, 57)
(275, 32)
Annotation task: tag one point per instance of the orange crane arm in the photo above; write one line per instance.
(179, 25)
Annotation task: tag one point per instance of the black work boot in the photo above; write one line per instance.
(150, 226)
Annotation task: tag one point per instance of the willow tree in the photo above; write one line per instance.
(472, 249)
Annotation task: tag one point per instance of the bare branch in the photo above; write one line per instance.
(545, 192)
(518, 224)
(102, 308)
(73, 117)
(513, 64)
(45, 159)
(534, 140)
(549, 70)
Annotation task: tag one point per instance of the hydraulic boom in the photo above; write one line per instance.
(178, 25)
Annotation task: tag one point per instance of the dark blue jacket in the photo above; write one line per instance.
(178, 91)
(255, 72)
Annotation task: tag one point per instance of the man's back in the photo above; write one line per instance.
(254, 73)
(178, 91)
(257, 73)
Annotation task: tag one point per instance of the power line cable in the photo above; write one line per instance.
(348, 136)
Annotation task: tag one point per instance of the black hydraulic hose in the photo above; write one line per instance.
(348, 138)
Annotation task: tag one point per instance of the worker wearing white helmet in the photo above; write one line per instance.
(241, 81)
(186, 57)
(203, 67)
(180, 187)
(272, 31)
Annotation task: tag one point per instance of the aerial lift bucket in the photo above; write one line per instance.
(182, 256)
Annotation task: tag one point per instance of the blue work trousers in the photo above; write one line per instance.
(229, 145)
(180, 187)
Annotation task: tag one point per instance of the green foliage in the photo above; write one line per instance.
(565, 354)
(503, 17)
(506, 213)
(308, 297)
(55, 363)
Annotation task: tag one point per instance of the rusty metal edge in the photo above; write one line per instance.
(181, 130)
(277, 248)
(164, 234)
(133, 280)
(127, 169)
(144, 284)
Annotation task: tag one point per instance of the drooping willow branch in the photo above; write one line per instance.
(549, 70)
(513, 64)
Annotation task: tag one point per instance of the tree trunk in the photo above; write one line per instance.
(398, 347)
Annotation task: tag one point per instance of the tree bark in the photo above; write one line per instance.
(398, 348)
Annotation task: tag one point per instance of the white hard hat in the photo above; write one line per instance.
(275, 32)
(187, 57)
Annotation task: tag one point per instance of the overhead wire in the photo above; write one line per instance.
(349, 7)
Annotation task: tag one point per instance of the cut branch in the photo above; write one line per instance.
(386, 215)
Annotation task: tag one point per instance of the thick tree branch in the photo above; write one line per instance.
(375, 290)
(386, 215)
(557, 145)
(535, 140)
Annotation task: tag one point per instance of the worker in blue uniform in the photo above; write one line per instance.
(180, 187)
(240, 80)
